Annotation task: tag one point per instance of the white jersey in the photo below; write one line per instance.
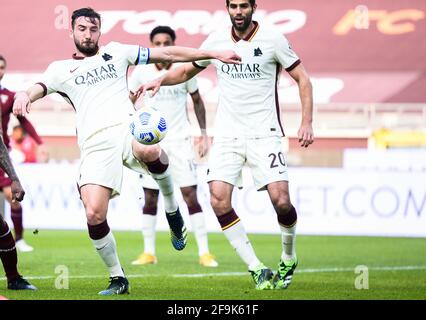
(171, 101)
(248, 97)
(96, 86)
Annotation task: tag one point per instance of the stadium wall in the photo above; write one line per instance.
(365, 52)
(329, 201)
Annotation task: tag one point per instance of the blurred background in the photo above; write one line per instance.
(364, 175)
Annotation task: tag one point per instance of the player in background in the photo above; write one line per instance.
(248, 130)
(94, 82)
(23, 148)
(6, 103)
(172, 103)
(8, 255)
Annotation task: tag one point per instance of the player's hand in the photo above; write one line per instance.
(17, 191)
(203, 145)
(305, 134)
(22, 104)
(229, 56)
(152, 86)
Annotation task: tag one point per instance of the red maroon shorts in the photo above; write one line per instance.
(5, 181)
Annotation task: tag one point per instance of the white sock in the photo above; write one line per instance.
(165, 183)
(288, 237)
(107, 249)
(148, 231)
(199, 227)
(237, 236)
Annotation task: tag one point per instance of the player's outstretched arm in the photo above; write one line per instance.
(23, 99)
(172, 77)
(183, 54)
(306, 132)
(6, 164)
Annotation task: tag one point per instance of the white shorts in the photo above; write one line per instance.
(103, 156)
(264, 156)
(181, 164)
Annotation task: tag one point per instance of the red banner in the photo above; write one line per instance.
(369, 52)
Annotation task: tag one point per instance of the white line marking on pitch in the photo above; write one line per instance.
(227, 274)
(303, 271)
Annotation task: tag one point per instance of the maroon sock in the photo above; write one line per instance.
(194, 209)
(152, 211)
(8, 255)
(98, 231)
(16, 215)
(228, 219)
(288, 219)
(160, 165)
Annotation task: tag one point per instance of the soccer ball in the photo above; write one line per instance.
(148, 126)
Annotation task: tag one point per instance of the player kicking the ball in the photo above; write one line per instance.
(248, 130)
(94, 82)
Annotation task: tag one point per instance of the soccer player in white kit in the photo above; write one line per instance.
(248, 130)
(172, 103)
(95, 84)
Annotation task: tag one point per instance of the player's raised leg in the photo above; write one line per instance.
(157, 163)
(149, 221)
(287, 219)
(198, 223)
(95, 199)
(221, 193)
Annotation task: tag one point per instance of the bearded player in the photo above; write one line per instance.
(248, 130)
(94, 82)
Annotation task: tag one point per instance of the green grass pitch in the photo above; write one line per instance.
(396, 268)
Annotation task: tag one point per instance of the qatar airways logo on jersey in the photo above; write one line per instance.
(242, 71)
(97, 75)
(166, 93)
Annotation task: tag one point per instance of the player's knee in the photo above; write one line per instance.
(282, 204)
(94, 218)
(147, 153)
(152, 153)
(95, 214)
(220, 205)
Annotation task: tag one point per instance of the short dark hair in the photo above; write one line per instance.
(85, 12)
(252, 3)
(3, 59)
(163, 29)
